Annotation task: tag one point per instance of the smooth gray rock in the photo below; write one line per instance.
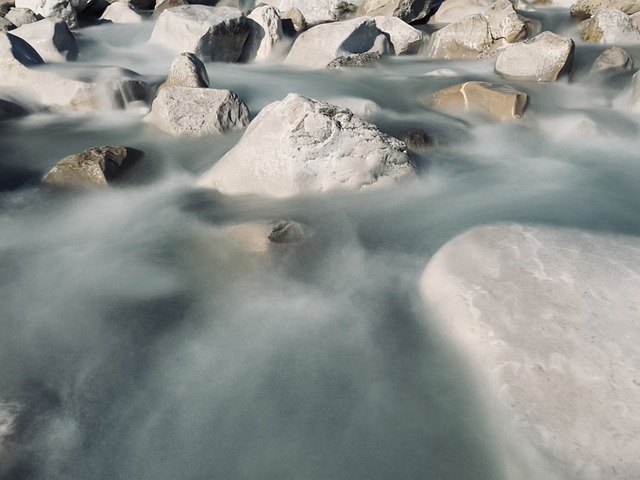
(85, 169)
(51, 38)
(196, 112)
(407, 10)
(215, 34)
(541, 59)
(21, 16)
(610, 25)
(403, 37)
(547, 319)
(613, 59)
(265, 34)
(187, 71)
(303, 146)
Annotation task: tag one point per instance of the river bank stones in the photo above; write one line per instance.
(215, 34)
(548, 318)
(302, 146)
(541, 59)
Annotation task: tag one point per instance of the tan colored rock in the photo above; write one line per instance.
(584, 9)
(466, 38)
(496, 101)
(261, 237)
(187, 71)
(610, 25)
(451, 11)
(541, 59)
(613, 59)
(85, 169)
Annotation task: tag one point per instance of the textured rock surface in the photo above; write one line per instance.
(86, 168)
(322, 44)
(403, 37)
(610, 25)
(121, 12)
(587, 8)
(214, 34)
(407, 10)
(187, 71)
(318, 11)
(265, 34)
(499, 102)
(613, 59)
(21, 16)
(549, 318)
(541, 59)
(504, 22)
(52, 8)
(162, 5)
(453, 10)
(195, 112)
(51, 38)
(299, 145)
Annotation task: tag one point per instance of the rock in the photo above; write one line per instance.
(6, 25)
(9, 109)
(16, 56)
(162, 5)
(636, 19)
(451, 11)
(360, 107)
(541, 59)
(293, 22)
(610, 25)
(499, 102)
(196, 112)
(407, 10)
(613, 59)
(302, 146)
(548, 319)
(215, 34)
(355, 60)
(121, 12)
(86, 169)
(21, 16)
(52, 8)
(584, 9)
(265, 34)
(187, 71)
(51, 38)
(403, 37)
(504, 22)
(322, 44)
(318, 11)
(418, 141)
(261, 237)
(466, 38)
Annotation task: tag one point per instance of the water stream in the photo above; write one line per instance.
(138, 343)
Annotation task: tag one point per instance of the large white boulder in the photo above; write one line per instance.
(51, 38)
(196, 112)
(610, 25)
(121, 12)
(407, 10)
(214, 34)
(322, 44)
(318, 11)
(548, 320)
(265, 34)
(541, 59)
(299, 145)
(588, 8)
(403, 37)
(52, 8)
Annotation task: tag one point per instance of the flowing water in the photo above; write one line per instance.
(136, 342)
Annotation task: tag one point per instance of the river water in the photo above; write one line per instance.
(136, 342)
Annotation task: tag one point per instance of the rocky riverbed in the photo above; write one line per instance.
(319, 239)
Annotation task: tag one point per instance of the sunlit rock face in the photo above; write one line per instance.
(548, 318)
(299, 145)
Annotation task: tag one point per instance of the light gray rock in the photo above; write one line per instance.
(541, 59)
(303, 146)
(52, 8)
(584, 9)
(16, 56)
(196, 112)
(21, 16)
(121, 12)
(265, 34)
(451, 11)
(51, 38)
(469, 37)
(296, 20)
(318, 11)
(187, 71)
(613, 59)
(403, 37)
(86, 169)
(499, 102)
(6, 25)
(548, 320)
(322, 44)
(504, 22)
(214, 34)
(407, 10)
(610, 25)
(355, 60)
(162, 5)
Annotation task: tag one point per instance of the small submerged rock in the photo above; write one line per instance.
(86, 169)
(613, 59)
(301, 146)
(261, 237)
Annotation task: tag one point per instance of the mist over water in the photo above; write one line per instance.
(138, 342)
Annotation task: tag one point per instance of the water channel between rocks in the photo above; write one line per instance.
(143, 348)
